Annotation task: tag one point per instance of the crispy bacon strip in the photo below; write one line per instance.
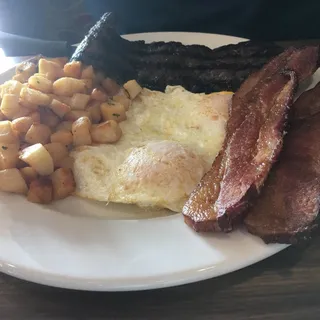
(253, 141)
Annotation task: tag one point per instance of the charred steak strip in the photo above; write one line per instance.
(253, 141)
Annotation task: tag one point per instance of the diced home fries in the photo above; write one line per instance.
(49, 107)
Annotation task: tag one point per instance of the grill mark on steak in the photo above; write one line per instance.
(253, 141)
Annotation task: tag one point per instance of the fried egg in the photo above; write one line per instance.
(169, 142)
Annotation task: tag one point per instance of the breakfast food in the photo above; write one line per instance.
(252, 144)
(168, 139)
(155, 65)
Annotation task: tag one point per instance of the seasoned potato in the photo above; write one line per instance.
(23, 112)
(20, 77)
(73, 69)
(12, 181)
(87, 73)
(57, 150)
(63, 183)
(34, 97)
(38, 133)
(59, 108)
(7, 134)
(39, 82)
(94, 110)
(64, 99)
(2, 116)
(74, 115)
(113, 110)
(25, 70)
(110, 86)
(126, 102)
(28, 174)
(50, 69)
(88, 85)
(10, 105)
(9, 155)
(22, 125)
(99, 95)
(12, 87)
(106, 132)
(66, 163)
(62, 136)
(64, 125)
(40, 191)
(49, 118)
(68, 86)
(60, 60)
(28, 105)
(133, 88)
(35, 116)
(81, 132)
(38, 158)
(79, 101)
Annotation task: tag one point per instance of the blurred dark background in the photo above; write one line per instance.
(71, 19)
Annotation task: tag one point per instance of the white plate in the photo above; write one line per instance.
(60, 246)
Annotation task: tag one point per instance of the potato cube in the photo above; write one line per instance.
(63, 183)
(81, 132)
(38, 133)
(64, 137)
(106, 132)
(94, 110)
(35, 97)
(28, 174)
(25, 70)
(10, 105)
(9, 155)
(2, 116)
(99, 95)
(59, 108)
(23, 112)
(126, 102)
(61, 61)
(64, 125)
(39, 82)
(68, 86)
(66, 163)
(73, 69)
(133, 88)
(74, 115)
(49, 118)
(113, 110)
(20, 78)
(79, 101)
(40, 191)
(87, 73)
(22, 125)
(35, 116)
(50, 69)
(110, 86)
(7, 134)
(57, 150)
(88, 83)
(38, 158)
(11, 87)
(12, 181)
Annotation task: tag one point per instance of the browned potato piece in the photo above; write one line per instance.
(40, 191)
(20, 77)
(27, 105)
(64, 125)
(73, 69)
(63, 183)
(66, 162)
(59, 108)
(94, 110)
(12, 181)
(23, 112)
(38, 158)
(50, 69)
(57, 150)
(63, 136)
(74, 115)
(87, 73)
(12, 87)
(81, 132)
(60, 60)
(34, 97)
(25, 70)
(22, 125)
(35, 116)
(106, 132)
(63, 99)
(88, 85)
(99, 95)
(2, 116)
(7, 134)
(113, 110)
(133, 88)
(79, 101)
(110, 86)
(38, 133)
(126, 102)
(39, 82)
(68, 86)
(49, 118)
(28, 174)
(10, 105)
(9, 155)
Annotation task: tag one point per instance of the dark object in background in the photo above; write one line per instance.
(195, 67)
